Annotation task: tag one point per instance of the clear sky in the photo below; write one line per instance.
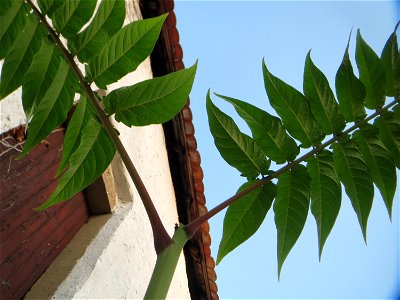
(230, 38)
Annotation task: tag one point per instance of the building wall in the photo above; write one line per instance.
(112, 256)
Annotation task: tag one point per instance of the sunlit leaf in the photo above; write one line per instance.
(39, 76)
(372, 73)
(20, 56)
(107, 21)
(353, 172)
(293, 109)
(49, 6)
(389, 133)
(72, 15)
(291, 209)
(379, 162)
(326, 194)
(125, 51)
(322, 101)
(268, 131)
(349, 90)
(88, 162)
(12, 21)
(52, 110)
(152, 101)
(244, 217)
(239, 150)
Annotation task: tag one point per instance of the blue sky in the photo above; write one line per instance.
(230, 39)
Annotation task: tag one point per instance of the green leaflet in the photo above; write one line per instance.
(349, 90)
(49, 6)
(52, 110)
(268, 131)
(322, 101)
(326, 194)
(372, 74)
(390, 58)
(69, 18)
(79, 120)
(152, 101)
(244, 217)
(293, 109)
(39, 76)
(389, 132)
(125, 51)
(20, 56)
(353, 172)
(12, 21)
(107, 21)
(291, 209)
(379, 162)
(88, 162)
(238, 149)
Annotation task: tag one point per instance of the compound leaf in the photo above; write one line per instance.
(49, 6)
(322, 101)
(69, 18)
(372, 73)
(125, 51)
(152, 101)
(379, 161)
(107, 21)
(268, 131)
(349, 90)
(89, 161)
(291, 209)
(293, 109)
(326, 194)
(239, 150)
(244, 217)
(353, 172)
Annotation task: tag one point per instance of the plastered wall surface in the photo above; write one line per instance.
(112, 256)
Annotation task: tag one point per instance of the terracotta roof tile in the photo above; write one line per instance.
(184, 158)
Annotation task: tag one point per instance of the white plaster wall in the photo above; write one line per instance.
(112, 256)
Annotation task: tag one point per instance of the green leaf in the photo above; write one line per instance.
(52, 110)
(239, 150)
(20, 56)
(291, 209)
(152, 101)
(88, 162)
(372, 73)
(107, 21)
(268, 131)
(49, 6)
(379, 162)
(322, 101)
(326, 194)
(79, 120)
(12, 21)
(72, 15)
(349, 90)
(39, 76)
(389, 132)
(125, 51)
(353, 172)
(244, 217)
(293, 109)
(390, 55)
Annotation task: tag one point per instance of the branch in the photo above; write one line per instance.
(192, 227)
(161, 237)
